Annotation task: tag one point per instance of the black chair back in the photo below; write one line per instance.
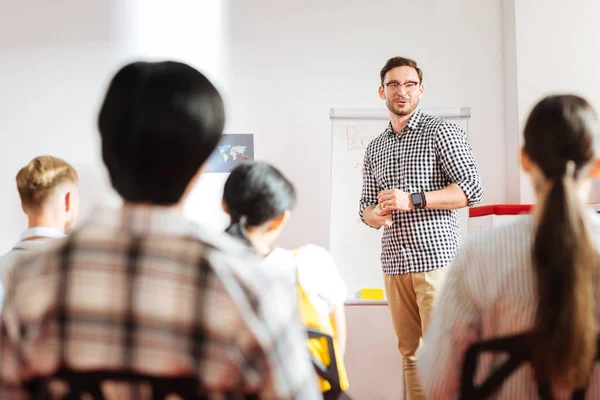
(90, 383)
(328, 372)
(518, 349)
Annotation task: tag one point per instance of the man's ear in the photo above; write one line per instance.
(24, 209)
(68, 201)
(526, 163)
(224, 206)
(381, 92)
(279, 222)
(595, 173)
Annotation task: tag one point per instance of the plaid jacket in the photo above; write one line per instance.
(142, 289)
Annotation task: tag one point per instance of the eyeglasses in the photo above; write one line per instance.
(409, 86)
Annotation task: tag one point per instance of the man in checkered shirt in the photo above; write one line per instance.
(141, 288)
(417, 173)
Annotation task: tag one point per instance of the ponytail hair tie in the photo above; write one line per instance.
(571, 169)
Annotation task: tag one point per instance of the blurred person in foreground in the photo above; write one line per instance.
(537, 276)
(143, 289)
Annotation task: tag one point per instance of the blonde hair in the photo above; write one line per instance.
(37, 180)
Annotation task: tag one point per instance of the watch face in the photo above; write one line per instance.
(415, 198)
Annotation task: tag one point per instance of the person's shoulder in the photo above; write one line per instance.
(504, 234)
(314, 252)
(492, 246)
(378, 141)
(279, 253)
(243, 266)
(319, 273)
(7, 261)
(594, 226)
(438, 125)
(490, 258)
(281, 258)
(317, 260)
(34, 261)
(9, 257)
(225, 251)
(224, 242)
(33, 254)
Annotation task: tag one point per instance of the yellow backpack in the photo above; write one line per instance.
(318, 346)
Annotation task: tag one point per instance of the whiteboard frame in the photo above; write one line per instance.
(382, 113)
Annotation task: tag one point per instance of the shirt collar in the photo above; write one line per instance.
(42, 232)
(412, 124)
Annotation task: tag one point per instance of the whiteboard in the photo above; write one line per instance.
(355, 247)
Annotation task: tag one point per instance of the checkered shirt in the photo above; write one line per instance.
(144, 290)
(428, 155)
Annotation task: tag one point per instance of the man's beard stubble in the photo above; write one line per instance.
(390, 106)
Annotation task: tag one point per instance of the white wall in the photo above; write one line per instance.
(512, 133)
(556, 52)
(281, 68)
(55, 61)
(293, 61)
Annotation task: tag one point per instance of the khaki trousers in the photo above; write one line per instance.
(410, 298)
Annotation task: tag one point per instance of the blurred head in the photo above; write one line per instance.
(159, 123)
(259, 200)
(49, 195)
(401, 85)
(561, 155)
(561, 131)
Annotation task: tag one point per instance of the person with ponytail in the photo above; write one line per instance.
(536, 276)
(259, 201)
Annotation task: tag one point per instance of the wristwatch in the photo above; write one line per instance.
(418, 200)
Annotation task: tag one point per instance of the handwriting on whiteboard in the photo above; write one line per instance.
(354, 141)
(360, 166)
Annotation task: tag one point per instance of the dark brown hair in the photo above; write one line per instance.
(400, 62)
(559, 138)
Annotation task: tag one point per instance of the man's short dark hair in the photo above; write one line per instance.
(400, 62)
(159, 122)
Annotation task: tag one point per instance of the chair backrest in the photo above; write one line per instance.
(322, 345)
(327, 372)
(90, 383)
(518, 349)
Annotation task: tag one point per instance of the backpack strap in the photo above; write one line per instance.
(329, 374)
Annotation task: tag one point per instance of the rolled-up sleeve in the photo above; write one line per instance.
(456, 158)
(369, 187)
